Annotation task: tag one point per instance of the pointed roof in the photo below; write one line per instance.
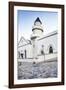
(38, 20)
(23, 41)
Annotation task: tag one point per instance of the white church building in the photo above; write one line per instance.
(40, 47)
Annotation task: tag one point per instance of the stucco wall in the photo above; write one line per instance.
(46, 42)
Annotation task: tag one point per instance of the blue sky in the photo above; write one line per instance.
(26, 20)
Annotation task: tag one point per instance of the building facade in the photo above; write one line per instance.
(39, 47)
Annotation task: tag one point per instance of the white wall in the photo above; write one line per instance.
(47, 42)
(28, 49)
(4, 44)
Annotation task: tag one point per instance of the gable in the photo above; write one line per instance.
(23, 41)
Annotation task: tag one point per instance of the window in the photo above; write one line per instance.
(25, 54)
(50, 49)
(22, 55)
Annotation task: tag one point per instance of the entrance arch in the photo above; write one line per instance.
(50, 49)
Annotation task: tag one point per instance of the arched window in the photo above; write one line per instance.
(50, 49)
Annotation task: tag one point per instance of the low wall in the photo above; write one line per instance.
(46, 57)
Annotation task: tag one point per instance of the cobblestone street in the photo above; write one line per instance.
(28, 70)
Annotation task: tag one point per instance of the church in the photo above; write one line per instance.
(40, 47)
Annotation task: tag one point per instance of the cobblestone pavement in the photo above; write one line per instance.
(28, 70)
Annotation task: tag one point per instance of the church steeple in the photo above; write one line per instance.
(37, 28)
(38, 20)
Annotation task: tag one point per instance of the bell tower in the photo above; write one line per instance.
(37, 27)
(37, 30)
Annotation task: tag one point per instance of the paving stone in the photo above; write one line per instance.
(28, 70)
